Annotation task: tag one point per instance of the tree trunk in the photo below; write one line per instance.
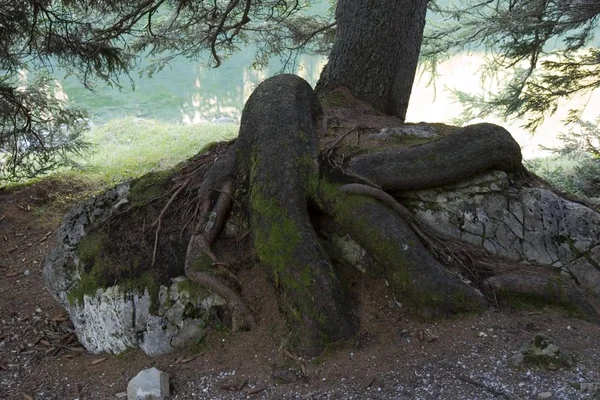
(376, 51)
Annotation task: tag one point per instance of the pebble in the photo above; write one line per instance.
(149, 384)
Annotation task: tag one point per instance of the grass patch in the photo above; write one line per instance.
(559, 171)
(130, 147)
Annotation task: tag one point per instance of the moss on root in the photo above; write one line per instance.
(276, 246)
(277, 240)
(402, 274)
(203, 263)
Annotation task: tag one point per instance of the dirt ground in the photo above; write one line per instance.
(394, 357)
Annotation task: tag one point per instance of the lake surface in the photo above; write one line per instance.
(188, 92)
(185, 91)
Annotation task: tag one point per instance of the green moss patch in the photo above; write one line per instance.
(402, 274)
(541, 351)
(277, 241)
(149, 187)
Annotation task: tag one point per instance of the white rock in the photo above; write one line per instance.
(149, 384)
(523, 224)
(117, 318)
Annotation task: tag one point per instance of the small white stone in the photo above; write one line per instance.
(544, 396)
(149, 384)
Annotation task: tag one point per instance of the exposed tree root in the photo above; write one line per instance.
(241, 316)
(159, 219)
(495, 277)
(543, 290)
(216, 173)
(221, 209)
(206, 232)
(278, 153)
(275, 160)
(357, 188)
(414, 276)
(472, 149)
(331, 148)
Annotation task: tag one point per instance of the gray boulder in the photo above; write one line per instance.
(153, 317)
(528, 225)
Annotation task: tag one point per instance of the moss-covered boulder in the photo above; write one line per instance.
(105, 277)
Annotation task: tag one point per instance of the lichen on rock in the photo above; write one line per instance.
(522, 224)
(541, 351)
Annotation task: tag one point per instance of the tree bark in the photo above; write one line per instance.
(416, 279)
(277, 148)
(468, 151)
(376, 51)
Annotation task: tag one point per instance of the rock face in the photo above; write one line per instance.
(521, 224)
(112, 319)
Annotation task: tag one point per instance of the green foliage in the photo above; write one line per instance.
(38, 131)
(121, 150)
(100, 41)
(517, 36)
(576, 167)
(559, 172)
(128, 148)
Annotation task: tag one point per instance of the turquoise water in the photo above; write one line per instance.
(185, 91)
(190, 92)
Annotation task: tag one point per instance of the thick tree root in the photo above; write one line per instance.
(278, 149)
(416, 279)
(520, 289)
(470, 150)
(471, 262)
(197, 266)
(511, 282)
(241, 316)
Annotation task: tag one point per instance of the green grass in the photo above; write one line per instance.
(130, 147)
(558, 170)
(122, 149)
